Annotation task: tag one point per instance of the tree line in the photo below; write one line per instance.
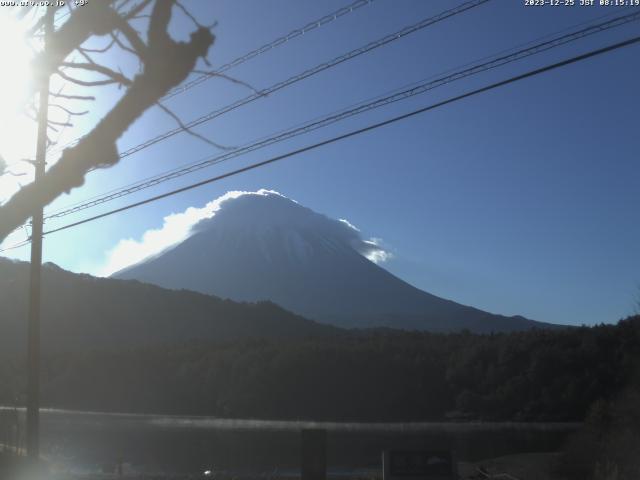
(381, 375)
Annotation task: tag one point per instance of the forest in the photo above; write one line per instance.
(368, 375)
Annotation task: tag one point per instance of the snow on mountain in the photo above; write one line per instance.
(251, 246)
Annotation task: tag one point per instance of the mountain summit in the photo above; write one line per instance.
(264, 246)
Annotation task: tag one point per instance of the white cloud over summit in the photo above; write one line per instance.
(177, 227)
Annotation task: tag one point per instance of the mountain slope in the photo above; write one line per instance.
(263, 246)
(81, 311)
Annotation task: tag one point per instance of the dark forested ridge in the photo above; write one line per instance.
(125, 346)
(81, 311)
(370, 376)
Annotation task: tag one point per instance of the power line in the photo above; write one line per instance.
(269, 46)
(359, 131)
(16, 246)
(326, 19)
(498, 54)
(414, 90)
(306, 74)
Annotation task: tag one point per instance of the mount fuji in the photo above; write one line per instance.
(263, 246)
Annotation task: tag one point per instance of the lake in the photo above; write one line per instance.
(94, 442)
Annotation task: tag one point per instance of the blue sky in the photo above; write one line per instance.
(519, 201)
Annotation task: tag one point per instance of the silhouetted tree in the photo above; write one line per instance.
(163, 64)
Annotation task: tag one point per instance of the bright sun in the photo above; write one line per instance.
(15, 57)
(16, 129)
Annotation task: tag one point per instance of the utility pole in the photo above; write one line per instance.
(33, 347)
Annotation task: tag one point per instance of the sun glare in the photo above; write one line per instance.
(15, 57)
(16, 129)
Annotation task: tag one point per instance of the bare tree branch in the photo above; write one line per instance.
(120, 7)
(138, 47)
(94, 67)
(84, 55)
(188, 130)
(134, 12)
(98, 50)
(188, 14)
(95, 18)
(230, 79)
(13, 174)
(70, 112)
(158, 25)
(72, 97)
(166, 64)
(60, 124)
(85, 83)
(4, 169)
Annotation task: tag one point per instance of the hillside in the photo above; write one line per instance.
(83, 312)
(539, 375)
